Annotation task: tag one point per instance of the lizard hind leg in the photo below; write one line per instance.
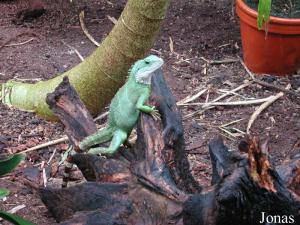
(99, 137)
(119, 137)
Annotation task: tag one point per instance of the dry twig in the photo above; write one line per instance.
(44, 173)
(112, 19)
(16, 209)
(248, 102)
(75, 50)
(102, 116)
(50, 143)
(190, 98)
(14, 37)
(230, 92)
(262, 108)
(206, 107)
(224, 61)
(51, 157)
(85, 31)
(171, 45)
(21, 43)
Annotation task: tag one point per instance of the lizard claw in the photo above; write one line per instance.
(155, 114)
(102, 156)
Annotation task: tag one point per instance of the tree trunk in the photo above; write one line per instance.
(100, 75)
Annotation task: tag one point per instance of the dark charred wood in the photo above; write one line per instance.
(242, 192)
(289, 172)
(110, 215)
(63, 203)
(68, 107)
(153, 170)
(150, 185)
(163, 99)
(178, 163)
(156, 198)
(223, 162)
(95, 168)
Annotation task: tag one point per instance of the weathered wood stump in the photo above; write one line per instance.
(245, 188)
(150, 183)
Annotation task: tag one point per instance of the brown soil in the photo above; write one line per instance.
(200, 30)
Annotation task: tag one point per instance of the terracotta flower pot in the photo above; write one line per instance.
(278, 53)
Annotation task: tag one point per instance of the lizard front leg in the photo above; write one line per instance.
(145, 108)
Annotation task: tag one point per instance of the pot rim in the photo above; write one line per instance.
(275, 20)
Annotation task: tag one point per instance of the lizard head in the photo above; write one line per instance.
(143, 69)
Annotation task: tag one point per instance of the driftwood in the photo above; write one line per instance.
(68, 107)
(150, 182)
(245, 187)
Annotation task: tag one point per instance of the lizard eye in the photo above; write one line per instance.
(147, 62)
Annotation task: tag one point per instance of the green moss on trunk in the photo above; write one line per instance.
(101, 74)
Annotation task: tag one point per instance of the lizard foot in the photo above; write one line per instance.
(100, 151)
(155, 114)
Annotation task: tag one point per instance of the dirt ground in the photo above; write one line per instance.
(202, 31)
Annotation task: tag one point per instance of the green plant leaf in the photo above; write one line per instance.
(7, 165)
(4, 192)
(14, 219)
(264, 11)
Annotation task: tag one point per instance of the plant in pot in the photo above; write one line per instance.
(271, 44)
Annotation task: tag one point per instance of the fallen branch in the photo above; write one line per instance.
(249, 102)
(85, 31)
(50, 143)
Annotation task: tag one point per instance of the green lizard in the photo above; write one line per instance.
(124, 111)
(125, 107)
